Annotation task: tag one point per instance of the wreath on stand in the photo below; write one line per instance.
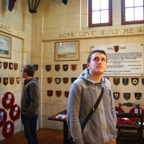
(132, 110)
(130, 121)
(12, 110)
(117, 109)
(5, 98)
(5, 127)
(4, 116)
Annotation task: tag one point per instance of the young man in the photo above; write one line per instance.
(101, 127)
(30, 104)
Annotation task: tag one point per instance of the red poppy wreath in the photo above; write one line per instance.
(117, 109)
(3, 116)
(14, 108)
(8, 96)
(132, 110)
(7, 125)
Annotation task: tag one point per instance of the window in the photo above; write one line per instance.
(132, 11)
(100, 13)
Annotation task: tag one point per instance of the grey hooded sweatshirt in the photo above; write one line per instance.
(30, 98)
(101, 127)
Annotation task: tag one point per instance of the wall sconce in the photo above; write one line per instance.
(33, 4)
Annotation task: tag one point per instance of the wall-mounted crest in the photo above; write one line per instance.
(84, 66)
(10, 65)
(116, 81)
(127, 96)
(49, 80)
(65, 80)
(57, 67)
(65, 67)
(18, 80)
(5, 65)
(15, 66)
(36, 67)
(73, 79)
(49, 92)
(134, 81)
(73, 67)
(116, 95)
(48, 67)
(138, 96)
(66, 93)
(11, 81)
(57, 80)
(5, 80)
(0, 65)
(125, 81)
(58, 93)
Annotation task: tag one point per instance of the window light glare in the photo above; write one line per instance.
(129, 3)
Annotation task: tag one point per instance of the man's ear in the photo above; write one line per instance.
(88, 64)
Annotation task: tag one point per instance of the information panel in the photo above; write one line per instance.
(123, 59)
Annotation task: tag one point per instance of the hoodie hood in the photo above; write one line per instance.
(31, 79)
(86, 76)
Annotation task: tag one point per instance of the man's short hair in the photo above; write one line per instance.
(30, 69)
(95, 51)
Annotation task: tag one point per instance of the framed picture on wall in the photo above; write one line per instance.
(67, 51)
(5, 47)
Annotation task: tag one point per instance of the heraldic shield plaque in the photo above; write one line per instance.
(11, 81)
(116, 95)
(0, 65)
(48, 67)
(10, 66)
(127, 96)
(15, 66)
(125, 81)
(57, 67)
(138, 96)
(5, 80)
(65, 67)
(49, 80)
(66, 94)
(116, 81)
(73, 67)
(5, 65)
(50, 92)
(65, 80)
(58, 93)
(57, 80)
(134, 81)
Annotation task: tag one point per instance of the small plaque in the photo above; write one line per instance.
(116, 81)
(0, 65)
(5, 65)
(73, 79)
(138, 96)
(10, 66)
(65, 67)
(84, 66)
(65, 80)
(116, 48)
(15, 66)
(8, 126)
(125, 81)
(57, 80)
(36, 67)
(11, 81)
(9, 96)
(127, 96)
(18, 80)
(116, 95)
(66, 94)
(49, 80)
(57, 67)
(49, 92)
(5, 80)
(73, 67)
(58, 93)
(16, 108)
(134, 81)
(48, 67)
(1, 113)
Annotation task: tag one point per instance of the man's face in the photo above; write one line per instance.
(98, 63)
(23, 73)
